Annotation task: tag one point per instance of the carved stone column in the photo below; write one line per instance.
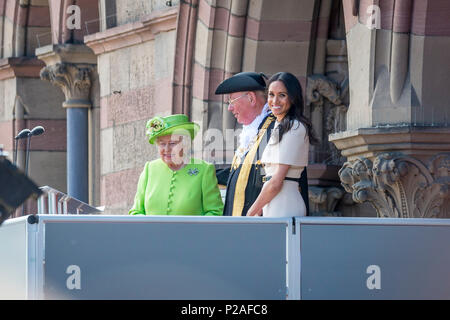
(73, 79)
(397, 139)
(401, 172)
(70, 67)
(399, 186)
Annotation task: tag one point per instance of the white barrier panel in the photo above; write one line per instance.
(374, 258)
(243, 258)
(151, 257)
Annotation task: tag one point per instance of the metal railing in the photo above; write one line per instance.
(56, 202)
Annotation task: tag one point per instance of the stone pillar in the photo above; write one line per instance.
(398, 126)
(71, 67)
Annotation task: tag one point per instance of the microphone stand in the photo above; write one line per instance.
(22, 134)
(16, 141)
(27, 158)
(35, 132)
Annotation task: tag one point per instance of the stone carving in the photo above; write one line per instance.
(323, 201)
(400, 186)
(334, 110)
(74, 80)
(319, 87)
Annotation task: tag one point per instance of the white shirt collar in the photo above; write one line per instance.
(250, 131)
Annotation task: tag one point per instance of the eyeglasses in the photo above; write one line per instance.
(168, 143)
(230, 102)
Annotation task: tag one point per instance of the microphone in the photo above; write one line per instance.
(37, 131)
(22, 134)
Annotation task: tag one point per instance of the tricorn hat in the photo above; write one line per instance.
(173, 124)
(244, 81)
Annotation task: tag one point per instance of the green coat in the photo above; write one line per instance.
(192, 190)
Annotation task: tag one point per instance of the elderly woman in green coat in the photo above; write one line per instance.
(176, 184)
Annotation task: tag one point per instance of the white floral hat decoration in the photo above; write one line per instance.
(163, 126)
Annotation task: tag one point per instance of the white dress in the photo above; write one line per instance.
(292, 150)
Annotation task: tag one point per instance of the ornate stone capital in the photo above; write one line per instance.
(400, 186)
(73, 79)
(69, 67)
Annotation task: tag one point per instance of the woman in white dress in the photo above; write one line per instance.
(286, 154)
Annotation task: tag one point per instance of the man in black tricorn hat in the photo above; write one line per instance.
(247, 102)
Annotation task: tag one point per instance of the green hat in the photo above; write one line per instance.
(177, 123)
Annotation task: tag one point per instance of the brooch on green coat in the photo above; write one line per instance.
(193, 172)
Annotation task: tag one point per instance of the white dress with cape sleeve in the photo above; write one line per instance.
(292, 150)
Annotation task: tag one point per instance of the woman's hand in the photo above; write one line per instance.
(269, 190)
(254, 212)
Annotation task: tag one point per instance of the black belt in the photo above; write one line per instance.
(267, 178)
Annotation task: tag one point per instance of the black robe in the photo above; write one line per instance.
(254, 184)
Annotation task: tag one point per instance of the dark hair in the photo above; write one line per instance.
(294, 91)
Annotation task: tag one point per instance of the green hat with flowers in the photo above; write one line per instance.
(173, 124)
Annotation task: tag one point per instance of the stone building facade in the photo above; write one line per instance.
(375, 75)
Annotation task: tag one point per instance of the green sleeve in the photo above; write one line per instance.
(139, 198)
(212, 201)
